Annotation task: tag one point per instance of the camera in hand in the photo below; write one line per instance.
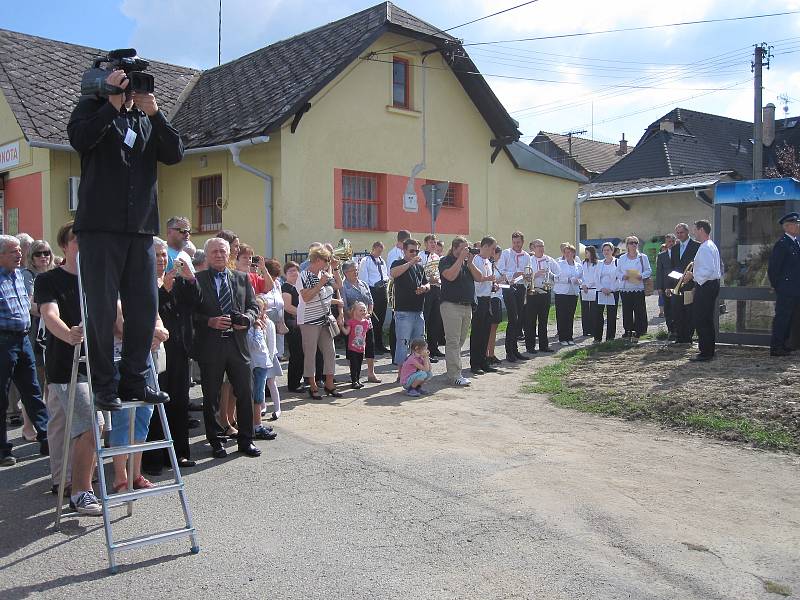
(240, 319)
(254, 260)
(94, 81)
(474, 251)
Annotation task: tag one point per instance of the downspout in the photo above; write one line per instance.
(235, 149)
(578, 202)
(421, 166)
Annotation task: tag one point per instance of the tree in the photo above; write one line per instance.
(787, 163)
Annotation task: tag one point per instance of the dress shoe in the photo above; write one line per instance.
(219, 452)
(107, 401)
(493, 360)
(250, 450)
(193, 407)
(148, 395)
(520, 356)
(262, 433)
(490, 369)
(193, 423)
(477, 371)
(437, 354)
(186, 463)
(702, 358)
(511, 358)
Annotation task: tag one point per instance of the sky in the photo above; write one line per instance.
(604, 84)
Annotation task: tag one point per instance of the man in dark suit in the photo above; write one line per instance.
(223, 314)
(784, 277)
(682, 253)
(664, 283)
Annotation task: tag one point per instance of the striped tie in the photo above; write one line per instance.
(225, 298)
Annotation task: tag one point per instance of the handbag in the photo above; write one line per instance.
(333, 325)
(649, 286)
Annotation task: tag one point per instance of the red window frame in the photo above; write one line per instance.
(361, 201)
(209, 196)
(406, 103)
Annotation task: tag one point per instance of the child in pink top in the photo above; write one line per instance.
(416, 369)
(356, 328)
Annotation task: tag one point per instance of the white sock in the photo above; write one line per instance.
(275, 395)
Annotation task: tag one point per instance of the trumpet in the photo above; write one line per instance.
(678, 289)
(527, 280)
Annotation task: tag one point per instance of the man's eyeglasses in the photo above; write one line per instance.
(413, 250)
(42, 253)
(181, 231)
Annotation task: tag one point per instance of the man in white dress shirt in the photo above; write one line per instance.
(706, 275)
(537, 309)
(375, 273)
(511, 266)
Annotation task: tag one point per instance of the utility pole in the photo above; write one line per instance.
(761, 58)
(569, 135)
(219, 35)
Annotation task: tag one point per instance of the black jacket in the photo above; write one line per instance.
(664, 268)
(680, 263)
(175, 308)
(784, 267)
(207, 340)
(118, 189)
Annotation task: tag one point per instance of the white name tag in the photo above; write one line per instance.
(130, 138)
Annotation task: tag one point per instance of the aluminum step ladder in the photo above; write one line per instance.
(128, 496)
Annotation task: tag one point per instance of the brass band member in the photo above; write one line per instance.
(511, 267)
(537, 308)
(682, 253)
(434, 330)
(706, 275)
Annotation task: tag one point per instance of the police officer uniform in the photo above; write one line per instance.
(784, 277)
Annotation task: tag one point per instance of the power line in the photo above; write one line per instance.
(647, 87)
(641, 28)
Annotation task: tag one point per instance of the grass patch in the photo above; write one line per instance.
(628, 404)
(777, 588)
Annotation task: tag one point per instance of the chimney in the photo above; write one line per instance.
(667, 125)
(623, 146)
(768, 132)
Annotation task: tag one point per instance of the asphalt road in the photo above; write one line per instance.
(477, 493)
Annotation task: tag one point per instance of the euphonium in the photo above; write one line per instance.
(432, 271)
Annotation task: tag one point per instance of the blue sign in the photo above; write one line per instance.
(757, 190)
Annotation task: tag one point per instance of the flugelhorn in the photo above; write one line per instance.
(678, 289)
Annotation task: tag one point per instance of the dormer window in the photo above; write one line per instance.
(401, 83)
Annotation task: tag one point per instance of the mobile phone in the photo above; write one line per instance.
(254, 260)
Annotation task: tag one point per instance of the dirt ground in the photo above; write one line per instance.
(742, 385)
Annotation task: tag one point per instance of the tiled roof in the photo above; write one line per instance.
(701, 143)
(651, 185)
(592, 155)
(258, 93)
(41, 78)
(529, 159)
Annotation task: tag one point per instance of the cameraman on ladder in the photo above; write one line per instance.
(120, 139)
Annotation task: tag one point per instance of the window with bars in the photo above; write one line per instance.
(209, 203)
(360, 201)
(452, 198)
(401, 85)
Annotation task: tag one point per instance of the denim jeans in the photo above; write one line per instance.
(18, 364)
(408, 327)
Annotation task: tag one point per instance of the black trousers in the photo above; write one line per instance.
(514, 299)
(434, 328)
(705, 300)
(479, 333)
(112, 265)
(784, 322)
(682, 319)
(669, 314)
(611, 320)
(565, 316)
(294, 342)
(587, 320)
(356, 360)
(228, 360)
(634, 313)
(378, 313)
(537, 310)
(174, 381)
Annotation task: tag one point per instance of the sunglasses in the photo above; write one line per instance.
(633, 243)
(182, 231)
(42, 253)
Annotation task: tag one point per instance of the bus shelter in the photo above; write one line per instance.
(746, 215)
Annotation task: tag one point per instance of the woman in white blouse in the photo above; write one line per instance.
(633, 268)
(607, 295)
(566, 288)
(588, 290)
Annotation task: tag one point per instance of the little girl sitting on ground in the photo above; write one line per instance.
(416, 369)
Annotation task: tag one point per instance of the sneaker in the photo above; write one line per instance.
(461, 381)
(86, 504)
(423, 392)
(8, 460)
(413, 393)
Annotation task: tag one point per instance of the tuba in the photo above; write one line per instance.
(432, 271)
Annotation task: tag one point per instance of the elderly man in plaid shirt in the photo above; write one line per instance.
(17, 362)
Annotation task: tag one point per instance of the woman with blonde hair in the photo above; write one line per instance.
(633, 268)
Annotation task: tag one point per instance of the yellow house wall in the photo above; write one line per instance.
(648, 216)
(63, 165)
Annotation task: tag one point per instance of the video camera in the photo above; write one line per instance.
(94, 82)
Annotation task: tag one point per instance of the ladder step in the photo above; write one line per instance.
(117, 450)
(159, 490)
(129, 405)
(156, 538)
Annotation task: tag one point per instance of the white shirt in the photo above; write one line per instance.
(569, 278)
(589, 274)
(512, 262)
(545, 263)
(373, 270)
(640, 264)
(606, 276)
(683, 246)
(483, 289)
(706, 263)
(394, 254)
(426, 257)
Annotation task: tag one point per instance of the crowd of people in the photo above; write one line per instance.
(238, 316)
